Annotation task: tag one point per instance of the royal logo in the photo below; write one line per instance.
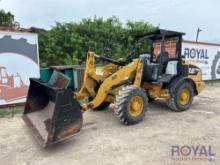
(194, 152)
(194, 53)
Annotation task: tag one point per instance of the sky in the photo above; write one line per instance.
(180, 15)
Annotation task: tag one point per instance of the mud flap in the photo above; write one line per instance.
(51, 112)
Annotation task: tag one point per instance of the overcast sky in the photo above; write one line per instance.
(180, 15)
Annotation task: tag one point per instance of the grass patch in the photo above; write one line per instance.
(9, 112)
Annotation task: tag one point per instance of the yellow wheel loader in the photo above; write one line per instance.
(54, 113)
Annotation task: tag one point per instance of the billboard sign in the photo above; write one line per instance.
(206, 56)
(19, 60)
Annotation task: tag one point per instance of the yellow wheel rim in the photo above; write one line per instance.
(136, 106)
(184, 96)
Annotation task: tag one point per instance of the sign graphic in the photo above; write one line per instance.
(18, 62)
(216, 67)
(206, 56)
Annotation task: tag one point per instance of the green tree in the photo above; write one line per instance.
(7, 19)
(68, 43)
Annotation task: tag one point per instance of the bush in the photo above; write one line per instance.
(68, 43)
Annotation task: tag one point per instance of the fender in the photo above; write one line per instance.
(176, 81)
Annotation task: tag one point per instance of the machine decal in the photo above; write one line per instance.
(193, 70)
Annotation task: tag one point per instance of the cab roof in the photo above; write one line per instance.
(157, 34)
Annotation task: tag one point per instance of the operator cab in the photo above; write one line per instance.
(163, 59)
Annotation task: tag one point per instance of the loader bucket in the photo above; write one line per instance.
(51, 112)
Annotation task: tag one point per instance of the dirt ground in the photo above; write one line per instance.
(104, 140)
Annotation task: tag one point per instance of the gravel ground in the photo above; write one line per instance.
(104, 140)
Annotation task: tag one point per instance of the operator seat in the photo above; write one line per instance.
(150, 70)
(162, 60)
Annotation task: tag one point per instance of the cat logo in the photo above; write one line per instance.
(193, 70)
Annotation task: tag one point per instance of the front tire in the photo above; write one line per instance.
(182, 97)
(130, 105)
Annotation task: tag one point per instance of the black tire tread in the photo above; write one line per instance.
(171, 103)
(120, 102)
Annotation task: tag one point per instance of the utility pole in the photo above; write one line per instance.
(197, 35)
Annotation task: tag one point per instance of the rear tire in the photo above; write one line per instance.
(130, 105)
(182, 97)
